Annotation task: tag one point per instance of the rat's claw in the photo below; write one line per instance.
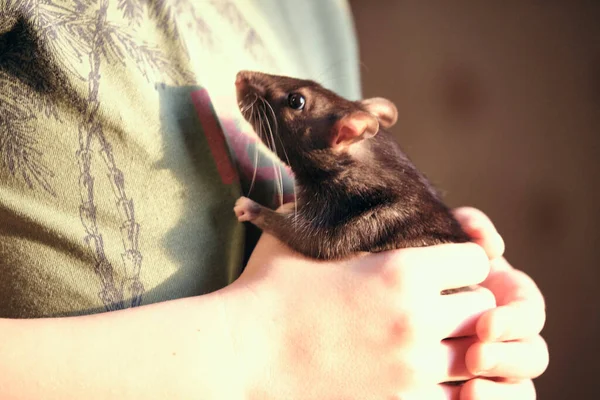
(246, 209)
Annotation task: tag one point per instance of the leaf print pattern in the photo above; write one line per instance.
(60, 29)
(165, 12)
(18, 145)
(27, 78)
(132, 10)
(112, 44)
(162, 12)
(80, 34)
(253, 43)
(49, 47)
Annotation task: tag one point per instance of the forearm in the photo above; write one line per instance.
(173, 350)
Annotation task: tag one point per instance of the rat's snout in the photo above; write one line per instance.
(248, 83)
(248, 89)
(241, 79)
(245, 77)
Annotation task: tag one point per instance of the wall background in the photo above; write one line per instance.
(500, 106)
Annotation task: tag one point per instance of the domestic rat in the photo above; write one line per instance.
(356, 190)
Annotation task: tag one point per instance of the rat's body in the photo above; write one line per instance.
(356, 189)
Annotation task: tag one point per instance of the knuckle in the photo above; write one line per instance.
(415, 329)
(390, 274)
(487, 300)
(479, 256)
(404, 373)
(417, 367)
(478, 261)
(397, 271)
(405, 327)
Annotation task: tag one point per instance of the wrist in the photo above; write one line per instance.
(250, 329)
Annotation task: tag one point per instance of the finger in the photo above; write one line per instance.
(481, 229)
(461, 312)
(484, 389)
(510, 284)
(526, 359)
(435, 392)
(443, 267)
(517, 320)
(453, 359)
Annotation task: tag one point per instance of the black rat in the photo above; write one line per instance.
(356, 190)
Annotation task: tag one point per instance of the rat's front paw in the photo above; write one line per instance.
(246, 209)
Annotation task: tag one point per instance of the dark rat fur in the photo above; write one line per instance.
(357, 191)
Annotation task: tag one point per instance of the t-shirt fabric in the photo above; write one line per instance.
(122, 150)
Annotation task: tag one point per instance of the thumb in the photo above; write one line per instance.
(481, 230)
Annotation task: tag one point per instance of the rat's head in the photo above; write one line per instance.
(300, 118)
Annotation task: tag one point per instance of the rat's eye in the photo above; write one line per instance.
(296, 101)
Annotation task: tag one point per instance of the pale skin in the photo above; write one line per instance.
(510, 348)
(369, 328)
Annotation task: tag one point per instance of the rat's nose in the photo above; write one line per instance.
(238, 80)
(242, 86)
(241, 78)
(249, 82)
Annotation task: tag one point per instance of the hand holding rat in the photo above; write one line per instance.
(371, 327)
(347, 205)
(510, 347)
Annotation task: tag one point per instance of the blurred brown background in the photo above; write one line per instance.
(500, 106)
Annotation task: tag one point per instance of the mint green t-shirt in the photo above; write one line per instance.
(122, 150)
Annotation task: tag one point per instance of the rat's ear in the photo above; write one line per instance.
(353, 128)
(385, 111)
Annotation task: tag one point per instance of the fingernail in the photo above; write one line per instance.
(488, 360)
(498, 324)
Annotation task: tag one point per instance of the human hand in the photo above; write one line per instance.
(371, 327)
(510, 349)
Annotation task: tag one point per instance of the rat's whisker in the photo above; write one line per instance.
(263, 120)
(262, 127)
(287, 159)
(249, 106)
(277, 133)
(271, 142)
(274, 116)
(252, 118)
(277, 171)
(276, 179)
